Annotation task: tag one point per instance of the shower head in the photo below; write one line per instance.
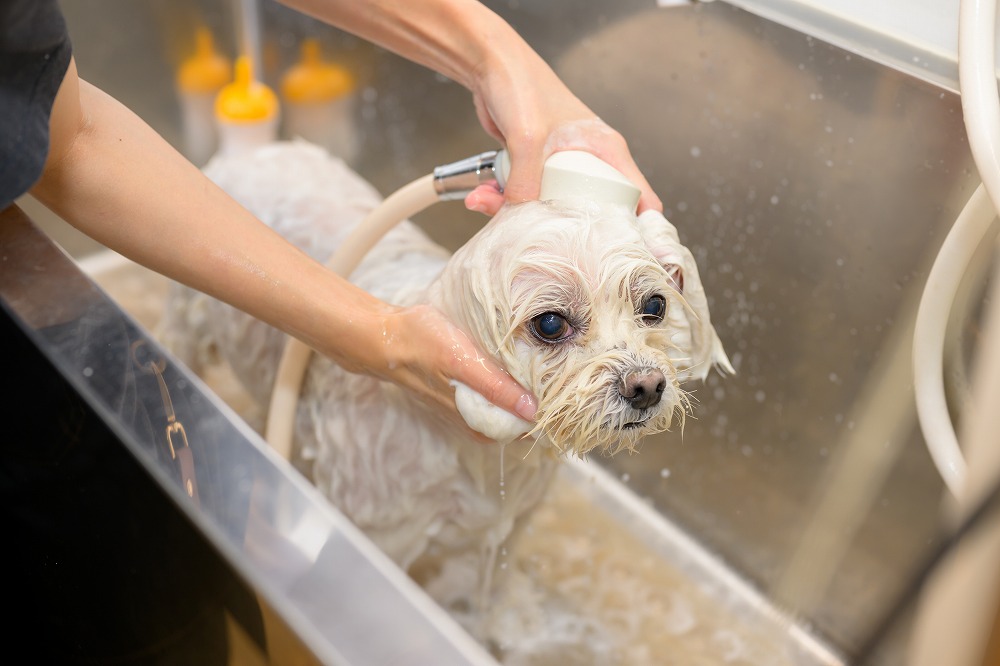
(569, 174)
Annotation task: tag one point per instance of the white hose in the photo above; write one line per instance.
(405, 202)
(971, 227)
(978, 84)
(981, 110)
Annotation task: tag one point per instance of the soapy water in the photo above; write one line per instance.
(576, 588)
(582, 590)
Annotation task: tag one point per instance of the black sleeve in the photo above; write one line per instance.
(34, 55)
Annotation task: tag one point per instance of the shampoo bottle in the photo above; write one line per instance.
(319, 101)
(199, 80)
(246, 112)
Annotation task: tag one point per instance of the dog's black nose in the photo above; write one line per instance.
(642, 388)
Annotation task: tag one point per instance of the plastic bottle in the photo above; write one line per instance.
(199, 79)
(246, 112)
(319, 100)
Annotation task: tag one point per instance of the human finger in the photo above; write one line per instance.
(525, 179)
(487, 199)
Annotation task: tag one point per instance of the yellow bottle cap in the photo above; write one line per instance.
(312, 81)
(246, 100)
(205, 71)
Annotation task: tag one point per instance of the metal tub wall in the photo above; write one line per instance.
(149, 524)
(813, 185)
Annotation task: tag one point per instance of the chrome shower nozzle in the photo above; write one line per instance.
(458, 179)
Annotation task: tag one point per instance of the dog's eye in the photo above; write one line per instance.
(551, 327)
(654, 309)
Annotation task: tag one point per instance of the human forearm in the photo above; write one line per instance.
(448, 36)
(114, 178)
(122, 184)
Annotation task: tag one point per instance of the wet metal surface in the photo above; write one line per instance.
(814, 187)
(307, 561)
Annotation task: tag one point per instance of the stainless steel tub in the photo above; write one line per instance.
(814, 186)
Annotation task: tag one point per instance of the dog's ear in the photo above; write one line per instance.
(700, 345)
(662, 240)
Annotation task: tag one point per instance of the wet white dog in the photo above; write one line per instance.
(599, 313)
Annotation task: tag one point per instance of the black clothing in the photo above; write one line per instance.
(34, 55)
(99, 566)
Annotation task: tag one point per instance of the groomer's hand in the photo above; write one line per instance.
(522, 103)
(519, 99)
(424, 352)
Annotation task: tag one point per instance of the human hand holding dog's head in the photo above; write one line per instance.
(425, 353)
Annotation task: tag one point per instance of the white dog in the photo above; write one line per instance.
(599, 313)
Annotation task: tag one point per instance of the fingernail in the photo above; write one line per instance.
(526, 407)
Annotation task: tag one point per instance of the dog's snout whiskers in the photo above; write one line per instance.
(642, 389)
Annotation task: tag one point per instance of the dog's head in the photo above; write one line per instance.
(599, 313)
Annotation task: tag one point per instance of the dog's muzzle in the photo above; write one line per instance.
(642, 389)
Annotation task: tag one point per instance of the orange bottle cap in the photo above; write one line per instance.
(246, 100)
(311, 80)
(206, 70)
